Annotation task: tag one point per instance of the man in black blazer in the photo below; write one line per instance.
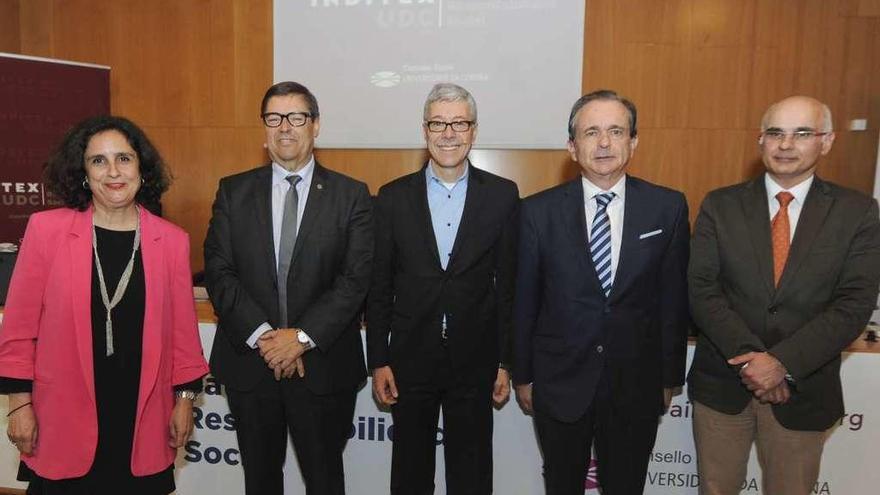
(600, 318)
(783, 277)
(443, 288)
(288, 258)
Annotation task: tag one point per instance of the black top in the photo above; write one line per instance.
(117, 379)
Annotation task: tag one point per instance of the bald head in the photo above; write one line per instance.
(795, 133)
(802, 104)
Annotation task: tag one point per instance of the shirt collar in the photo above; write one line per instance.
(799, 191)
(431, 177)
(590, 189)
(279, 173)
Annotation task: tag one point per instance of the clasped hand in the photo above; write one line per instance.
(282, 352)
(764, 376)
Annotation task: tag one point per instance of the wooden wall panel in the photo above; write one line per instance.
(722, 22)
(869, 8)
(253, 57)
(36, 33)
(873, 112)
(702, 72)
(10, 33)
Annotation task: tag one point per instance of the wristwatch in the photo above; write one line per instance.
(303, 340)
(186, 394)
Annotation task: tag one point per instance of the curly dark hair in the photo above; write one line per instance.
(64, 172)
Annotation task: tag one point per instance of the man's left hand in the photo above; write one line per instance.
(501, 389)
(760, 370)
(667, 397)
(777, 395)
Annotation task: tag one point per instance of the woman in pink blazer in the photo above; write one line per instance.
(99, 345)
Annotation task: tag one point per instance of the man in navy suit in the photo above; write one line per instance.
(600, 317)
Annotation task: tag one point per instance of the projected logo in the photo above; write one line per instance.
(592, 481)
(385, 79)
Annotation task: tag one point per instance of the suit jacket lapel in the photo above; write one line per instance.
(575, 221)
(473, 204)
(419, 204)
(263, 207)
(756, 213)
(80, 252)
(315, 203)
(153, 256)
(815, 209)
(632, 212)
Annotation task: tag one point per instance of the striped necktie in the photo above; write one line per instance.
(600, 241)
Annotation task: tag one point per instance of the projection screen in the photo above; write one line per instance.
(372, 62)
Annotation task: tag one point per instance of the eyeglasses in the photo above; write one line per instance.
(778, 135)
(457, 126)
(613, 133)
(296, 119)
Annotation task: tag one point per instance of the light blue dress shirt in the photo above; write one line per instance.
(446, 202)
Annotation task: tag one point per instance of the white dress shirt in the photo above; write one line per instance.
(797, 204)
(615, 215)
(280, 186)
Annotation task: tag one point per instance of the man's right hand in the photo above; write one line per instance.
(384, 387)
(524, 397)
(266, 343)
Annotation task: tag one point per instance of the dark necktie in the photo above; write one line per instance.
(285, 248)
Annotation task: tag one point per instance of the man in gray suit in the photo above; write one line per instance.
(783, 276)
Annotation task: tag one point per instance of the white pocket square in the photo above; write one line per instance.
(650, 234)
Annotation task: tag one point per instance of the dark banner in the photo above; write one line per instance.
(40, 99)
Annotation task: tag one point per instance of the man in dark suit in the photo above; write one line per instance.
(443, 290)
(783, 277)
(288, 258)
(600, 318)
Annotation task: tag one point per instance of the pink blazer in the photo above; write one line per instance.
(46, 336)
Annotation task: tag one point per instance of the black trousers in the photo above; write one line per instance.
(623, 439)
(466, 434)
(319, 426)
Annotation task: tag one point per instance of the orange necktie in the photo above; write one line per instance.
(781, 234)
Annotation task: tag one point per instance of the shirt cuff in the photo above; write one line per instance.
(312, 342)
(252, 340)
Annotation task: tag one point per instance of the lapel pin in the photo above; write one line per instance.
(320, 186)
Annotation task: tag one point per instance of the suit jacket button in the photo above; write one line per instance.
(773, 309)
(606, 310)
(599, 349)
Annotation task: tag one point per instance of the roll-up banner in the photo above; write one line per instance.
(40, 99)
